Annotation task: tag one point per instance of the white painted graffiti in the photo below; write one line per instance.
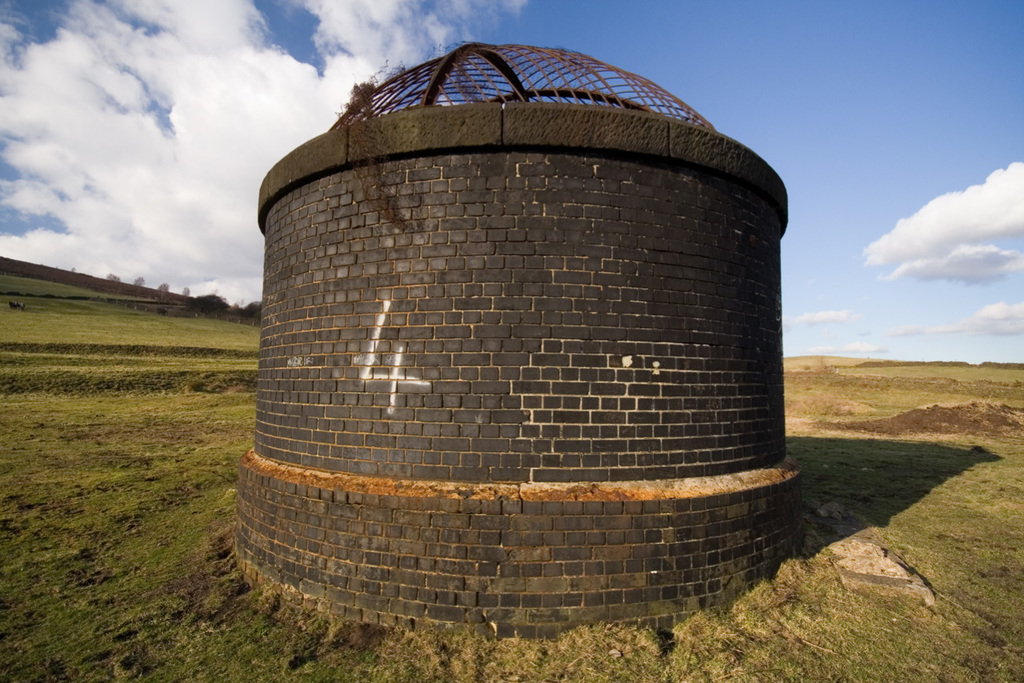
(387, 367)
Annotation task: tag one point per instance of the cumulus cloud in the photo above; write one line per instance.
(394, 30)
(949, 237)
(820, 317)
(965, 263)
(852, 347)
(144, 127)
(1001, 319)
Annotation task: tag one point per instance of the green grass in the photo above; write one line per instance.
(13, 287)
(91, 369)
(109, 504)
(56, 313)
(956, 373)
(76, 322)
(117, 502)
(845, 393)
(1000, 373)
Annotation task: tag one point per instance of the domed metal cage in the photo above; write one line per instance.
(475, 72)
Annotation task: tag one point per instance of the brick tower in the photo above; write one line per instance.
(521, 360)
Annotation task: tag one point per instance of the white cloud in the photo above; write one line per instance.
(965, 263)
(820, 317)
(395, 30)
(144, 127)
(999, 319)
(207, 26)
(946, 238)
(852, 347)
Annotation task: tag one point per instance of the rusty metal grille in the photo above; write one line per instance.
(516, 73)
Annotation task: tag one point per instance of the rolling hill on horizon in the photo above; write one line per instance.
(34, 271)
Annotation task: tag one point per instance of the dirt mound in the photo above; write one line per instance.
(980, 419)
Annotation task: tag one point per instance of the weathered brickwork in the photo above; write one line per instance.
(601, 323)
(538, 317)
(508, 566)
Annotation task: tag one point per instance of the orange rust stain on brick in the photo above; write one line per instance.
(377, 486)
(693, 487)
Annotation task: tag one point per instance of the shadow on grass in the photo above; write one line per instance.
(874, 478)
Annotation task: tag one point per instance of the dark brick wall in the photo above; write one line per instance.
(504, 565)
(521, 369)
(549, 317)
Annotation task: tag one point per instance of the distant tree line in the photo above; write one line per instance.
(216, 305)
(168, 302)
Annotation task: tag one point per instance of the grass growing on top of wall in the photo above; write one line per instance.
(117, 505)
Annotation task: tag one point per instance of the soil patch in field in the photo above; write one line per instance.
(976, 418)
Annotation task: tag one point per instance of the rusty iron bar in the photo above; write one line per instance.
(475, 72)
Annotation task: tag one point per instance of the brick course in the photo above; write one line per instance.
(504, 563)
(509, 315)
(640, 345)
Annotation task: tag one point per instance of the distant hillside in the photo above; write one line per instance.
(831, 363)
(10, 266)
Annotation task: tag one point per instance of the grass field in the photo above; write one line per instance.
(14, 287)
(119, 441)
(57, 313)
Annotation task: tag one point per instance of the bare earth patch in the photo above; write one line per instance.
(976, 418)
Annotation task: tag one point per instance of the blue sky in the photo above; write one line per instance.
(134, 135)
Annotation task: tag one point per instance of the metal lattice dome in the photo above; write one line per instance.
(475, 72)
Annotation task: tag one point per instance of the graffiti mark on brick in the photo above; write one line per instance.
(387, 367)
